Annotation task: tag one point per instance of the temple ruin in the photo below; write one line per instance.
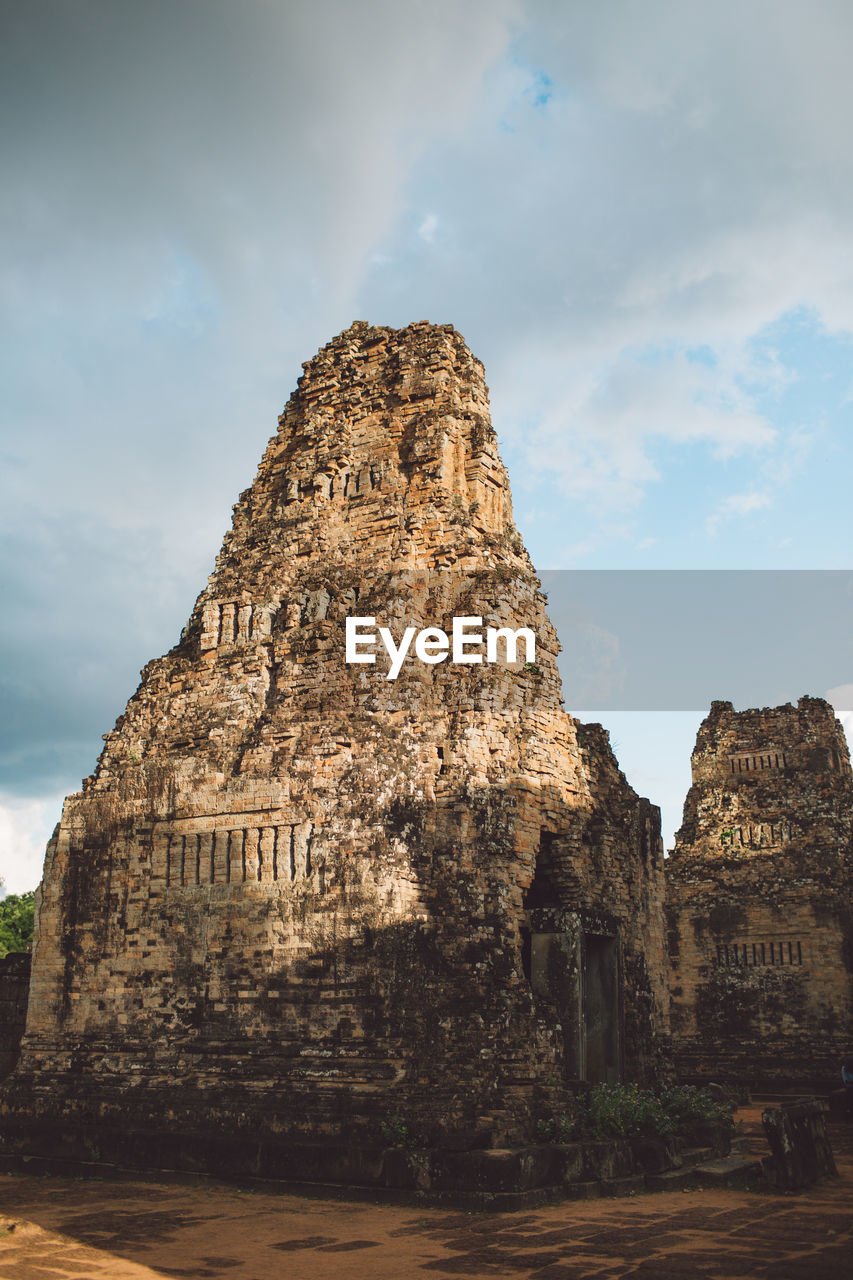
(298, 902)
(760, 901)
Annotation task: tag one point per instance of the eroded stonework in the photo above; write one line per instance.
(297, 898)
(14, 989)
(759, 900)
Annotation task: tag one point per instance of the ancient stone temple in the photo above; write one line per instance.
(301, 902)
(760, 901)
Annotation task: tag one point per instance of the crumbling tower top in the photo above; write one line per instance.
(767, 778)
(385, 453)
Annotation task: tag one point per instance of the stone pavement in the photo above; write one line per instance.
(66, 1230)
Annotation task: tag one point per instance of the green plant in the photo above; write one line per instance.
(687, 1106)
(627, 1111)
(565, 1128)
(16, 922)
(623, 1111)
(545, 1130)
(396, 1132)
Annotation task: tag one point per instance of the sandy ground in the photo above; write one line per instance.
(60, 1229)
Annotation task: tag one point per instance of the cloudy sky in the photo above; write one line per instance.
(639, 214)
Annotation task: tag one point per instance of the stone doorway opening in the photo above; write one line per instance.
(600, 1004)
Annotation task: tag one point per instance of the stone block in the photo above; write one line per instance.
(800, 1147)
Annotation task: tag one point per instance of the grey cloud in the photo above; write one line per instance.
(702, 201)
(84, 609)
(686, 183)
(190, 190)
(267, 139)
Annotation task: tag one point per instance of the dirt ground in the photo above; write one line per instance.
(61, 1229)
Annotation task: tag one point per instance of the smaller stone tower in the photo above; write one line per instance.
(759, 900)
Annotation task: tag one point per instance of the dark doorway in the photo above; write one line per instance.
(601, 1006)
(542, 891)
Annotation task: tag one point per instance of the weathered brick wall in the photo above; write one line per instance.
(296, 896)
(759, 900)
(14, 985)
